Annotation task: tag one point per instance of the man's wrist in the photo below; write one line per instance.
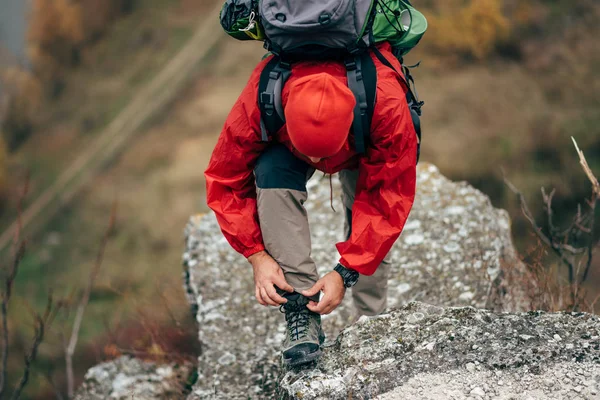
(349, 276)
(254, 258)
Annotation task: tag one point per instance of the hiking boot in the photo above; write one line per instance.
(304, 334)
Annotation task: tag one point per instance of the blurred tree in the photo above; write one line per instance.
(23, 96)
(98, 15)
(55, 34)
(468, 28)
(3, 171)
(60, 29)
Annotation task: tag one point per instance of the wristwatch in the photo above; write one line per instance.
(349, 276)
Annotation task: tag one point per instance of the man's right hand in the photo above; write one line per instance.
(267, 274)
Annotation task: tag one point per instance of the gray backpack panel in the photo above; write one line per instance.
(339, 24)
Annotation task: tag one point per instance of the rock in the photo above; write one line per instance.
(126, 378)
(478, 392)
(455, 243)
(383, 356)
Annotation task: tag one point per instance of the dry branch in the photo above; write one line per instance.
(18, 252)
(587, 169)
(582, 228)
(42, 323)
(540, 233)
(6, 295)
(70, 346)
(592, 203)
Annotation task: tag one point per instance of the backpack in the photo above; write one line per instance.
(344, 30)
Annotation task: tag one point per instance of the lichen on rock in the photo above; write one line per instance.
(455, 250)
(128, 378)
(422, 351)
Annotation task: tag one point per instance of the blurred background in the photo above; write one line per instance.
(111, 108)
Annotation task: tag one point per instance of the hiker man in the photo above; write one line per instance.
(257, 190)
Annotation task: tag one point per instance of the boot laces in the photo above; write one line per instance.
(298, 320)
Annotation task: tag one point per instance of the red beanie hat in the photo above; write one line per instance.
(319, 113)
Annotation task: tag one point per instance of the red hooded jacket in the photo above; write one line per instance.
(387, 171)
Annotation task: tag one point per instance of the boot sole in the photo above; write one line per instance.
(288, 362)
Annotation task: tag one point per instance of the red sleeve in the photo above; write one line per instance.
(230, 187)
(386, 185)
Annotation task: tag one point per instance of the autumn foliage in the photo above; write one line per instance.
(23, 96)
(55, 33)
(60, 29)
(470, 28)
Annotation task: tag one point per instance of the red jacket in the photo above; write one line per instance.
(387, 172)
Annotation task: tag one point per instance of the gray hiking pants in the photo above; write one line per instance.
(281, 192)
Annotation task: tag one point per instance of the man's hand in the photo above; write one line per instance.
(268, 273)
(332, 286)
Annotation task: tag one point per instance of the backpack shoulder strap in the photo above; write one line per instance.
(362, 81)
(412, 98)
(406, 77)
(272, 80)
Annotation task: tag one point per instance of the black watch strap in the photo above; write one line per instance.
(349, 276)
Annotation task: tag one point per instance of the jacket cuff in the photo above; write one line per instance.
(345, 264)
(248, 252)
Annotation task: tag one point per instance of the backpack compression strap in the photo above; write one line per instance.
(270, 85)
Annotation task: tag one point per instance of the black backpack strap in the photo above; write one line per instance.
(388, 64)
(272, 80)
(362, 81)
(412, 97)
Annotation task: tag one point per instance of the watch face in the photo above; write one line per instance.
(352, 279)
(349, 276)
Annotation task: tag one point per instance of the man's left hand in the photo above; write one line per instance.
(332, 286)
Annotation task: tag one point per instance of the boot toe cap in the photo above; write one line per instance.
(302, 353)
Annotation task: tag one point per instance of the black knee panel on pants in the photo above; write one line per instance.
(278, 168)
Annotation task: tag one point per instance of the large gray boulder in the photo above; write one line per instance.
(456, 250)
(428, 352)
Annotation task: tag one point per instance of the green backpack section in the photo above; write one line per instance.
(398, 22)
(394, 21)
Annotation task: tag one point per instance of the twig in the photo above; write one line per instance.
(18, 253)
(592, 203)
(41, 325)
(165, 302)
(8, 284)
(591, 245)
(593, 304)
(548, 205)
(587, 169)
(70, 348)
(550, 243)
(571, 249)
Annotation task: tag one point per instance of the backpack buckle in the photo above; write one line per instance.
(350, 65)
(353, 49)
(268, 99)
(274, 75)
